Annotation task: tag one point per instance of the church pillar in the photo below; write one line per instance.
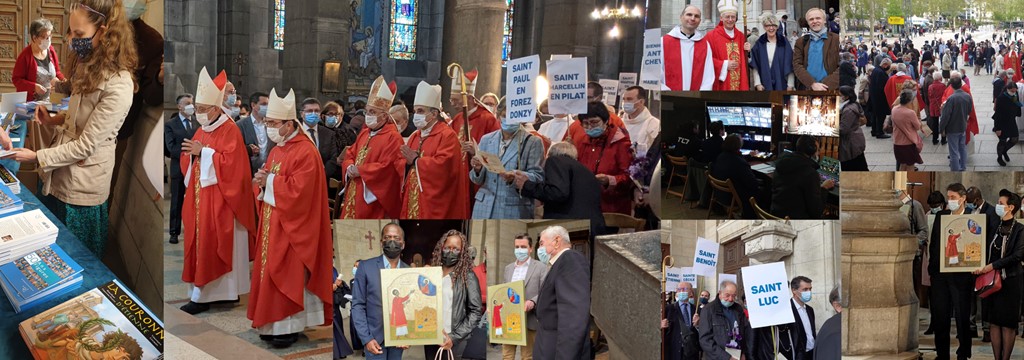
(768, 241)
(609, 49)
(880, 316)
(311, 36)
(190, 47)
(473, 38)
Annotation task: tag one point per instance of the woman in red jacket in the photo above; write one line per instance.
(606, 151)
(37, 65)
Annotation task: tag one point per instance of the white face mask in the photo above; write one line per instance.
(628, 107)
(954, 205)
(203, 119)
(45, 44)
(370, 121)
(419, 120)
(190, 110)
(274, 134)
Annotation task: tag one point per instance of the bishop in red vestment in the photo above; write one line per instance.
(481, 122)
(728, 46)
(373, 165)
(895, 84)
(436, 173)
(1012, 61)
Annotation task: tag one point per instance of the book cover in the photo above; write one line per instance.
(108, 322)
(7, 177)
(51, 293)
(39, 271)
(9, 202)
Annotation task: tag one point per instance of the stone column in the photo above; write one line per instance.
(311, 35)
(881, 313)
(472, 34)
(192, 44)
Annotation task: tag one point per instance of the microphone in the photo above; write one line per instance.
(915, 184)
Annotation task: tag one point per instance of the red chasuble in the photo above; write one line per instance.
(481, 122)
(673, 62)
(1012, 61)
(380, 166)
(294, 236)
(972, 121)
(434, 186)
(208, 214)
(894, 86)
(724, 47)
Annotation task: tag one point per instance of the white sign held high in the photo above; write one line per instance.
(568, 86)
(652, 68)
(673, 276)
(767, 294)
(609, 86)
(625, 81)
(689, 276)
(705, 258)
(520, 88)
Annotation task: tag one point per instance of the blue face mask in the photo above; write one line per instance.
(354, 271)
(522, 254)
(509, 128)
(263, 111)
(311, 119)
(231, 100)
(805, 296)
(726, 303)
(971, 207)
(542, 255)
(935, 210)
(595, 131)
(332, 121)
(682, 297)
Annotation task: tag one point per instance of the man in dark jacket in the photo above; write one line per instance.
(950, 290)
(721, 320)
(953, 122)
(730, 165)
(879, 105)
(563, 306)
(797, 190)
(680, 325)
(181, 126)
(802, 332)
(569, 190)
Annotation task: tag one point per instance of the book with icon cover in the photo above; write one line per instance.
(108, 322)
(39, 276)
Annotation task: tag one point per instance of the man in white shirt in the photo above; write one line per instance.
(642, 127)
(803, 329)
(254, 131)
(532, 273)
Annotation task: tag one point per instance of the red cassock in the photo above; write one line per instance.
(294, 236)
(481, 122)
(894, 86)
(436, 187)
(612, 157)
(380, 166)
(1012, 61)
(209, 213)
(398, 311)
(972, 121)
(725, 47)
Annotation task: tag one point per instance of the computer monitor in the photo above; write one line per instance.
(816, 115)
(758, 116)
(728, 115)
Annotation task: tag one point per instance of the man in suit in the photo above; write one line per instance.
(532, 273)
(324, 138)
(563, 304)
(951, 293)
(830, 338)
(181, 126)
(367, 309)
(783, 26)
(254, 131)
(680, 325)
(802, 331)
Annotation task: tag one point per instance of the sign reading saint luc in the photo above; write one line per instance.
(767, 294)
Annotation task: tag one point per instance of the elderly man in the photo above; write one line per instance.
(723, 318)
(519, 152)
(729, 48)
(563, 306)
(431, 157)
(400, 114)
(367, 308)
(816, 55)
(953, 122)
(373, 166)
(680, 325)
(532, 273)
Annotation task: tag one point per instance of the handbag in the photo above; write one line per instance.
(440, 352)
(988, 283)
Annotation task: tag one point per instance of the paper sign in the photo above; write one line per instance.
(652, 67)
(413, 306)
(520, 88)
(689, 276)
(609, 86)
(767, 294)
(561, 57)
(568, 93)
(673, 276)
(705, 258)
(726, 277)
(492, 162)
(625, 81)
(507, 313)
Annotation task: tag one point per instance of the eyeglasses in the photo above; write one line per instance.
(591, 123)
(85, 7)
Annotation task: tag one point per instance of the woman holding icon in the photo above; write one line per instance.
(1004, 255)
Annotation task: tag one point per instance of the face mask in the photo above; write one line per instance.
(311, 119)
(522, 254)
(805, 296)
(82, 47)
(135, 8)
(489, 108)
(681, 297)
(509, 128)
(1001, 210)
(449, 258)
(354, 271)
(190, 110)
(371, 121)
(703, 301)
(542, 255)
(234, 112)
(954, 205)
(419, 120)
(595, 131)
(628, 107)
(230, 102)
(203, 119)
(332, 121)
(275, 136)
(935, 210)
(263, 111)
(45, 44)
(726, 303)
(971, 207)
(392, 249)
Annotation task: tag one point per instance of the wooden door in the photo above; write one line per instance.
(734, 259)
(920, 193)
(15, 17)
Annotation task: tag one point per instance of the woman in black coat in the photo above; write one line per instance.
(1005, 252)
(341, 347)
(1007, 109)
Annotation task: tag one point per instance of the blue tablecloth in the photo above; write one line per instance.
(19, 134)
(12, 345)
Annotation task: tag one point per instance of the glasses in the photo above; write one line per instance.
(591, 123)
(85, 7)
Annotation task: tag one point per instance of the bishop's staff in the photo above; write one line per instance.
(666, 263)
(452, 73)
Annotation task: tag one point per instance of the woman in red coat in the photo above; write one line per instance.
(606, 151)
(37, 65)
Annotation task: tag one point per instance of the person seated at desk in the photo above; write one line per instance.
(712, 146)
(730, 165)
(797, 190)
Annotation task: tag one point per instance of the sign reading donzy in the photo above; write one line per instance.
(520, 88)
(705, 259)
(568, 86)
(767, 294)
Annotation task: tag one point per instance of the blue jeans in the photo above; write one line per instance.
(957, 151)
(988, 65)
(390, 353)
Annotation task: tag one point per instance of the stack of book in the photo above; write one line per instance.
(39, 277)
(106, 322)
(9, 202)
(7, 178)
(24, 233)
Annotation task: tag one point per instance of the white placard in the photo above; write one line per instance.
(609, 86)
(689, 276)
(705, 258)
(726, 277)
(625, 81)
(561, 56)
(520, 87)
(673, 276)
(767, 294)
(652, 67)
(568, 80)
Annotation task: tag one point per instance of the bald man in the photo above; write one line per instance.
(680, 325)
(715, 340)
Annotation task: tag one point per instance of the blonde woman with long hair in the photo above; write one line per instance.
(77, 161)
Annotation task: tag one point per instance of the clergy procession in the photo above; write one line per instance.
(728, 58)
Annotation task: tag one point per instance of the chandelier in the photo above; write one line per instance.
(616, 14)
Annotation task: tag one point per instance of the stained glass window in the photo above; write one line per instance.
(403, 30)
(506, 43)
(278, 24)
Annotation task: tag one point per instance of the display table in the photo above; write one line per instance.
(95, 274)
(18, 134)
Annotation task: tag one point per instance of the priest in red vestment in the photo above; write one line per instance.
(373, 165)
(435, 173)
(219, 215)
(729, 46)
(686, 56)
(972, 121)
(895, 85)
(1012, 61)
(292, 271)
(481, 122)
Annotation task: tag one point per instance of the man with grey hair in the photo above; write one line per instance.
(816, 55)
(722, 342)
(680, 325)
(953, 122)
(830, 335)
(1002, 78)
(563, 304)
(569, 189)
(401, 115)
